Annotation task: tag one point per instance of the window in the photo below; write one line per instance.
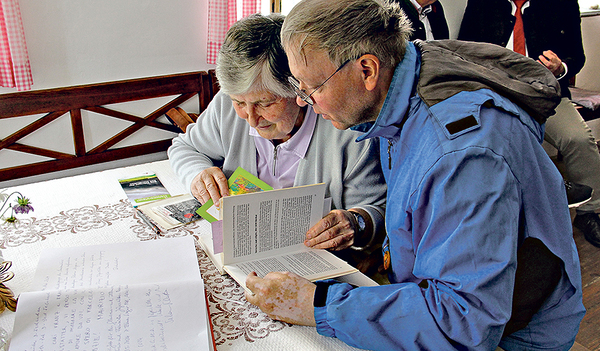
(283, 6)
(589, 7)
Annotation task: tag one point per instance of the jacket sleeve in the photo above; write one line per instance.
(571, 41)
(461, 231)
(202, 146)
(576, 59)
(351, 169)
(365, 187)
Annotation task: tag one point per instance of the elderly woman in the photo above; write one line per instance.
(254, 122)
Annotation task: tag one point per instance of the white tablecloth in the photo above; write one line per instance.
(93, 209)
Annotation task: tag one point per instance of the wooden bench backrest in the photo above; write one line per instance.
(54, 103)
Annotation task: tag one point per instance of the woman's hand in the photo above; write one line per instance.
(211, 183)
(284, 296)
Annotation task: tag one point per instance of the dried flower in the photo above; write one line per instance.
(22, 205)
(11, 220)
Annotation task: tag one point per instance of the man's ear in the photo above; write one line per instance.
(371, 67)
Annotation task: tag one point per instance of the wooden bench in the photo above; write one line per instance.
(54, 103)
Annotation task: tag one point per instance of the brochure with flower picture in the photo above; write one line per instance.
(240, 182)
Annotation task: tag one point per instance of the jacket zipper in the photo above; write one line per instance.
(389, 154)
(274, 160)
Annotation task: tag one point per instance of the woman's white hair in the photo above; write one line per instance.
(252, 58)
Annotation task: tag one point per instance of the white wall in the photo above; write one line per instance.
(589, 76)
(72, 42)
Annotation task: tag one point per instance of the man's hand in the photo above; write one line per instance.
(211, 183)
(334, 231)
(284, 296)
(552, 62)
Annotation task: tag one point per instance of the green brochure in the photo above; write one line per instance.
(143, 189)
(240, 182)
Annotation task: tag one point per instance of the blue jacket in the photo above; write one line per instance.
(458, 207)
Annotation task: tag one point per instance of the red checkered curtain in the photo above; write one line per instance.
(15, 71)
(221, 15)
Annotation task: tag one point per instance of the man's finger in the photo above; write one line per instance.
(251, 281)
(322, 225)
(338, 243)
(252, 298)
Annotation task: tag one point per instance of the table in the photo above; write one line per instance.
(92, 209)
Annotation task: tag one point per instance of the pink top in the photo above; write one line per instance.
(277, 166)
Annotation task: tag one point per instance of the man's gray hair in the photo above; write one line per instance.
(252, 58)
(348, 29)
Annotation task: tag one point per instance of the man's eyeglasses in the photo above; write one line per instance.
(308, 97)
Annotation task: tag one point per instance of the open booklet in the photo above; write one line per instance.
(172, 212)
(265, 231)
(125, 296)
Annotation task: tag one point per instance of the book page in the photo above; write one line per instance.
(117, 264)
(160, 316)
(267, 223)
(217, 228)
(309, 263)
(213, 245)
(126, 296)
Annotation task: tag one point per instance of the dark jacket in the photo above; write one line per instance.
(449, 67)
(437, 20)
(548, 24)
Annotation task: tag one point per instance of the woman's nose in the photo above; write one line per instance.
(251, 116)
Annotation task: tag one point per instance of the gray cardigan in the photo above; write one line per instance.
(351, 170)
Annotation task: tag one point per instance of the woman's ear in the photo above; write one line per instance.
(371, 67)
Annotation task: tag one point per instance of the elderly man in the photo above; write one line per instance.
(479, 248)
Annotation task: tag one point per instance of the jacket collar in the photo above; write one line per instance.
(397, 101)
